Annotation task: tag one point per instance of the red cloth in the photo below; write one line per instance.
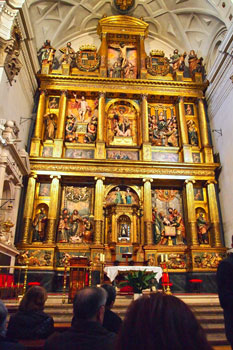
(6, 280)
(126, 289)
(195, 280)
(30, 284)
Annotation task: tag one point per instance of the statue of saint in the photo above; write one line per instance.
(195, 64)
(46, 53)
(202, 229)
(39, 226)
(118, 199)
(50, 126)
(64, 227)
(192, 133)
(178, 61)
(68, 54)
(128, 196)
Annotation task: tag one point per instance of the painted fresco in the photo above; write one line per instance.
(163, 127)
(122, 195)
(75, 222)
(167, 216)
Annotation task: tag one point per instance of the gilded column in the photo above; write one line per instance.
(58, 142)
(53, 205)
(208, 152)
(214, 215)
(148, 211)
(98, 214)
(143, 57)
(36, 141)
(103, 55)
(184, 132)
(146, 147)
(192, 226)
(100, 144)
(28, 208)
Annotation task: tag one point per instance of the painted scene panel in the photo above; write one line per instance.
(167, 215)
(163, 127)
(123, 155)
(122, 60)
(165, 157)
(79, 153)
(75, 221)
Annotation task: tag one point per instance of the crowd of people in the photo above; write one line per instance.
(157, 321)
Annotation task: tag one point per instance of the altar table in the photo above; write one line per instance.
(112, 271)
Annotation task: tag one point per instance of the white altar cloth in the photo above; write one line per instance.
(112, 271)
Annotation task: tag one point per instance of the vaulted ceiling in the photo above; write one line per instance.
(183, 24)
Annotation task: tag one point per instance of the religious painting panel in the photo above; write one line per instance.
(47, 151)
(122, 122)
(123, 249)
(81, 120)
(35, 257)
(168, 217)
(196, 157)
(203, 226)
(122, 155)
(189, 109)
(76, 217)
(78, 153)
(63, 256)
(151, 257)
(122, 60)
(198, 194)
(163, 127)
(122, 195)
(53, 102)
(207, 260)
(44, 190)
(165, 157)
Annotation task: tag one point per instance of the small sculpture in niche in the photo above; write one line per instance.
(119, 198)
(90, 136)
(124, 228)
(128, 196)
(82, 107)
(192, 133)
(46, 53)
(178, 61)
(70, 129)
(202, 228)
(64, 227)
(122, 125)
(68, 54)
(50, 126)
(39, 226)
(195, 64)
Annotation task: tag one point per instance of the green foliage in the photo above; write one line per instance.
(139, 280)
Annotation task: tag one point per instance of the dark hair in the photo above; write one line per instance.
(161, 322)
(88, 301)
(111, 291)
(34, 299)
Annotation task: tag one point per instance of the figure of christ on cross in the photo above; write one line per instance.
(123, 52)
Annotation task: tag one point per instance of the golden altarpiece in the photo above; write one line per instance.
(121, 158)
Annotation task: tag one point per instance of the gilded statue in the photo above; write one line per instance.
(178, 61)
(202, 229)
(39, 226)
(46, 53)
(195, 64)
(192, 133)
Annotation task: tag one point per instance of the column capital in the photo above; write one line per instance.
(102, 94)
(189, 181)
(55, 176)
(144, 96)
(43, 92)
(64, 92)
(33, 175)
(209, 182)
(96, 178)
(147, 180)
(180, 98)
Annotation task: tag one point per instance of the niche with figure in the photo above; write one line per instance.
(123, 228)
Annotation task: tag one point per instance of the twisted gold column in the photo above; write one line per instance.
(98, 214)
(214, 215)
(208, 151)
(53, 205)
(184, 132)
(192, 226)
(58, 142)
(28, 208)
(148, 211)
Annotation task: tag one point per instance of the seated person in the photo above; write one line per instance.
(5, 343)
(30, 321)
(161, 322)
(112, 322)
(86, 332)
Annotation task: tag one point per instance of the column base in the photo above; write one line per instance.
(146, 151)
(58, 148)
(100, 151)
(46, 68)
(35, 147)
(208, 154)
(197, 77)
(187, 153)
(178, 76)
